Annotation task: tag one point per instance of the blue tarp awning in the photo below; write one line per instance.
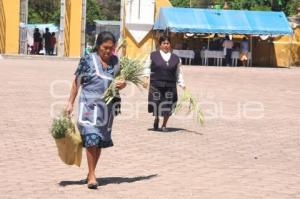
(191, 20)
(42, 27)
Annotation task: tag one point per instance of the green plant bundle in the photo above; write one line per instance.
(60, 126)
(131, 71)
(193, 106)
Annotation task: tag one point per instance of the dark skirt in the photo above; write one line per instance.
(162, 98)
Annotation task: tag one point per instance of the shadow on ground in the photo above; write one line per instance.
(174, 130)
(109, 180)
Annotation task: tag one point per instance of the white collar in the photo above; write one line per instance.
(165, 56)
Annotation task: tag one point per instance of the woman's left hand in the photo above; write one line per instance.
(120, 84)
(183, 87)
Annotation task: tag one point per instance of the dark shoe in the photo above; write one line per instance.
(93, 185)
(164, 129)
(156, 124)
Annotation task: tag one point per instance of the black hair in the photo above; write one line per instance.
(104, 37)
(164, 38)
(47, 29)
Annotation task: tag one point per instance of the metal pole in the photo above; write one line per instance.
(251, 50)
(153, 32)
(61, 47)
(139, 15)
(122, 28)
(130, 10)
(208, 43)
(122, 20)
(22, 26)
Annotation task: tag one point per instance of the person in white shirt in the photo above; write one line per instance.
(163, 70)
(227, 46)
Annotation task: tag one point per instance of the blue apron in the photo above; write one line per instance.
(95, 118)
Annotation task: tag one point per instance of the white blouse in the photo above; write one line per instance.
(166, 57)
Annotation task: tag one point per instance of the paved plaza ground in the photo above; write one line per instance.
(249, 147)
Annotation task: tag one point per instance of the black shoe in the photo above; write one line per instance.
(156, 124)
(93, 185)
(164, 129)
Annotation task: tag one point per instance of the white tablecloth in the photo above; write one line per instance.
(190, 54)
(218, 56)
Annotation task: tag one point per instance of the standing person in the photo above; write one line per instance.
(47, 36)
(163, 68)
(41, 46)
(244, 51)
(94, 74)
(227, 46)
(36, 41)
(52, 43)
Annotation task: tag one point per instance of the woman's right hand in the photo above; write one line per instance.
(69, 109)
(146, 82)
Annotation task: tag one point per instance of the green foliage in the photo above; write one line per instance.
(93, 12)
(60, 126)
(191, 3)
(46, 11)
(291, 7)
(248, 4)
(187, 100)
(111, 9)
(180, 3)
(288, 6)
(131, 71)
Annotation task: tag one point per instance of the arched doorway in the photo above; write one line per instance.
(67, 15)
(35, 14)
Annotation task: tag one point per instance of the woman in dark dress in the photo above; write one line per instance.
(163, 69)
(94, 74)
(36, 41)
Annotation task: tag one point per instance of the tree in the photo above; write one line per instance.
(93, 12)
(291, 6)
(201, 3)
(111, 9)
(245, 4)
(46, 11)
(191, 3)
(288, 6)
(180, 3)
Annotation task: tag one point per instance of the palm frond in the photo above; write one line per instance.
(131, 71)
(193, 106)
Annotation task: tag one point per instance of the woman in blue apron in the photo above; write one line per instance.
(94, 74)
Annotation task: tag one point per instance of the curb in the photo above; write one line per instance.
(38, 57)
